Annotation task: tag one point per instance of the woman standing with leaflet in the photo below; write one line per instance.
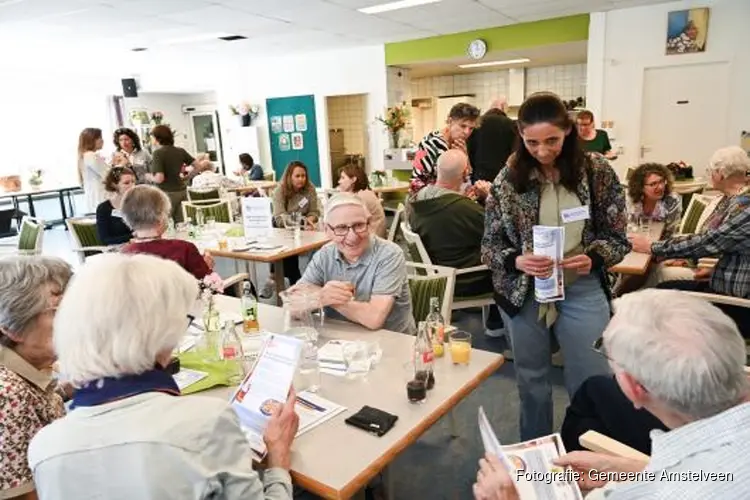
(546, 180)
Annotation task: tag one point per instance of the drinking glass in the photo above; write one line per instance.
(357, 359)
(460, 347)
(634, 223)
(644, 225)
(211, 223)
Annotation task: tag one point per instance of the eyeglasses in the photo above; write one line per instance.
(343, 230)
(661, 182)
(598, 347)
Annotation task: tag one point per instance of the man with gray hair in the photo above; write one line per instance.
(682, 359)
(492, 142)
(361, 277)
(451, 226)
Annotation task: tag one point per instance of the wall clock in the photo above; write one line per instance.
(477, 49)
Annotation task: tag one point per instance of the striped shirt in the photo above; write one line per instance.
(730, 240)
(707, 459)
(424, 166)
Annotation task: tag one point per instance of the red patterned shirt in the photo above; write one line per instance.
(28, 402)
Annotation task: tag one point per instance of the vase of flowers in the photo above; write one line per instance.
(395, 120)
(157, 117)
(36, 179)
(208, 345)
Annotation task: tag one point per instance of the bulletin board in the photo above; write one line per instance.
(293, 134)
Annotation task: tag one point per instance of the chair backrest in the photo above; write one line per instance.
(712, 201)
(425, 282)
(221, 211)
(692, 215)
(30, 236)
(396, 221)
(417, 251)
(269, 175)
(83, 231)
(203, 194)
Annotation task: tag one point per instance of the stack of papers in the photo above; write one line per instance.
(331, 358)
(266, 387)
(541, 479)
(313, 410)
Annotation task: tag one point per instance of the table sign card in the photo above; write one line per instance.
(266, 386)
(257, 217)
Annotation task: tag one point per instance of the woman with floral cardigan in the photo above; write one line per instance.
(547, 179)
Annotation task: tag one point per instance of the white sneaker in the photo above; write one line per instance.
(500, 332)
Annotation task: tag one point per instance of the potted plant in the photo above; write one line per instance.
(36, 179)
(157, 117)
(395, 120)
(681, 170)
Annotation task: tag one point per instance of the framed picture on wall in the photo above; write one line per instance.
(687, 31)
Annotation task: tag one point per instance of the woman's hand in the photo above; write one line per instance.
(209, 259)
(641, 243)
(580, 263)
(583, 462)
(311, 223)
(482, 189)
(538, 266)
(493, 481)
(703, 273)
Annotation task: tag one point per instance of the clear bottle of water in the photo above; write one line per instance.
(231, 353)
(309, 369)
(200, 218)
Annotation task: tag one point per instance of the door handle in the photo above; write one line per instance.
(644, 150)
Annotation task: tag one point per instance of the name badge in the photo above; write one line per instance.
(303, 203)
(575, 214)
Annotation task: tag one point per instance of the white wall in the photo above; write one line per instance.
(634, 39)
(337, 72)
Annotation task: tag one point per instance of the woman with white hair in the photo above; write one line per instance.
(128, 435)
(30, 291)
(728, 239)
(727, 169)
(146, 210)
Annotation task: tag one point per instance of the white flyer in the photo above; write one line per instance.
(257, 217)
(550, 241)
(265, 387)
(530, 465)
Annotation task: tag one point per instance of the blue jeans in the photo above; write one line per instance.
(581, 319)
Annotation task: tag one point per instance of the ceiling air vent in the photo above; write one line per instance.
(232, 38)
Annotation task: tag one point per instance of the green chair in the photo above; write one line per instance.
(419, 254)
(86, 240)
(29, 240)
(221, 211)
(693, 214)
(207, 194)
(426, 282)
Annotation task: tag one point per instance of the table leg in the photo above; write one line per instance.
(17, 208)
(63, 211)
(278, 278)
(32, 211)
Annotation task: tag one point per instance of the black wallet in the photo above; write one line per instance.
(372, 420)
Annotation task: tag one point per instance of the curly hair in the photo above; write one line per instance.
(132, 135)
(637, 180)
(113, 176)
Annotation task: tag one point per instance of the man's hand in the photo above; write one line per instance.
(675, 263)
(493, 481)
(585, 461)
(482, 189)
(282, 427)
(703, 273)
(641, 243)
(336, 293)
(459, 144)
(535, 265)
(580, 263)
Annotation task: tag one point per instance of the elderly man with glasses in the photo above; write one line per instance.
(361, 277)
(682, 359)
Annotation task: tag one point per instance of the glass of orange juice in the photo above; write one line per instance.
(460, 347)
(223, 244)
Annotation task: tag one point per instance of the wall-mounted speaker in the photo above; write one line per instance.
(129, 88)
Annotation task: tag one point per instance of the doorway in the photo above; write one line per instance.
(684, 114)
(204, 128)
(347, 132)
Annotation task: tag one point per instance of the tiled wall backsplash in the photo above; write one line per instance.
(568, 81)
(348, 113)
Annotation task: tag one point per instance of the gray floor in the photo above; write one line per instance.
(437, 466)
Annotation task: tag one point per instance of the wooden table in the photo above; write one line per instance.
(335, 460)
(252, 186)
(399, 187)
(307, 242)
(638, 263)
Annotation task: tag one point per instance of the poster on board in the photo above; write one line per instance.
(284, 142)
(300, 122)
(297, 141)
(288, 123)
(276, 124)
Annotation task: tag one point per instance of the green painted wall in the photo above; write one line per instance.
(547, 32)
